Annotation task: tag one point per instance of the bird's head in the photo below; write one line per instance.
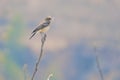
(48, 18)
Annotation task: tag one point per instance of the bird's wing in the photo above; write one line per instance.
(41, 26)
(32, 35)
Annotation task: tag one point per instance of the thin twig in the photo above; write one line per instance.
(98, 65)
(40, 56)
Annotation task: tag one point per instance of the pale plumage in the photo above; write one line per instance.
(42, 27)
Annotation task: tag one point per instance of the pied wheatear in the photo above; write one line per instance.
(43, 27)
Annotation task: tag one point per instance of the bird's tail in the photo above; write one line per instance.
(32, 35)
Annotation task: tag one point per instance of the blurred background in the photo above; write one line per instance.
(69, 52)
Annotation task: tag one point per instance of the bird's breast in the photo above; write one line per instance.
(44, 29)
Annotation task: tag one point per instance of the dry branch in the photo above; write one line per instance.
(40, 56)
(98, 65)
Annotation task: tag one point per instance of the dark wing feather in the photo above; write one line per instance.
(45, 24)
(35, 30)
(41, 26)
(32, 35)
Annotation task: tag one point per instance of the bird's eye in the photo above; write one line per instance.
(49, 18)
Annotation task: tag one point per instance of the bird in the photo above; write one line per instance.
(43, 27)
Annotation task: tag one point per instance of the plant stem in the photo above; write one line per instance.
(98, 65)
(40, 56)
